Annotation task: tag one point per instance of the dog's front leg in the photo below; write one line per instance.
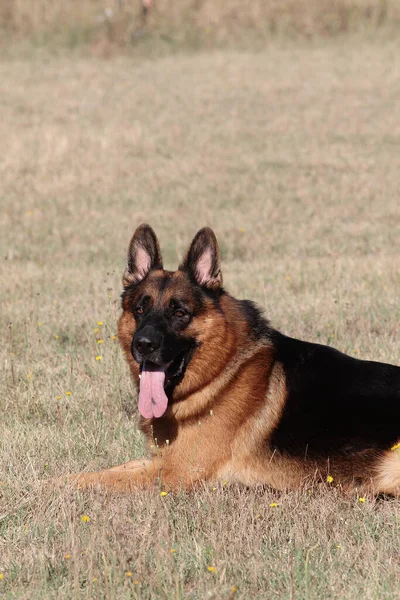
(139, 473)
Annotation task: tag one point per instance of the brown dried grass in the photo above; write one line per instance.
(292, 156)
(196, 22)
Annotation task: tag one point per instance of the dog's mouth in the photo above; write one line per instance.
(154, 378)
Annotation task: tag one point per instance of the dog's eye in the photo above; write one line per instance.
(139, 310)
(180, 313)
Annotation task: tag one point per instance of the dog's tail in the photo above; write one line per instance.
(387, 478)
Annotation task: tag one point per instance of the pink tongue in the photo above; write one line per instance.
(152, 399)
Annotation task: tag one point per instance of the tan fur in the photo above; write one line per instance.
(251, 462)
(123, 478)
(387, 477)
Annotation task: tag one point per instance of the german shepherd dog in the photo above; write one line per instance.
(223, 395)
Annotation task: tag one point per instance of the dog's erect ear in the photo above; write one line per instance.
(203, 261)
(143, 255)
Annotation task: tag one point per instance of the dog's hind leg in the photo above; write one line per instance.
(387, 478)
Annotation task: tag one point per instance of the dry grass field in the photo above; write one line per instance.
(196, 23)
(292, 155)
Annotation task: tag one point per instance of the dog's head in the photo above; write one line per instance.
(165, 312)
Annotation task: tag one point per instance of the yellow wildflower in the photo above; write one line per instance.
(99, 357)
(28, 375)
(100, 341)
(362, 500)
(212, 569)
(96, 330)
(163, 493)
(136, 582)
(85, 519)
(172, 550)
(273, 504)
(100, 323)
(39, 324)
(234, 589)
(67, 556)
(113, 337)
(68, 393)
(56, 337)
(128, 574)
(329, 479)
(1, 576)
(58, 397)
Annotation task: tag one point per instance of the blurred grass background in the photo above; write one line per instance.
(125, 23)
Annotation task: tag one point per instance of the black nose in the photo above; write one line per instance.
(145, 345)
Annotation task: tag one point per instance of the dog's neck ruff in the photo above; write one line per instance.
(204, 399)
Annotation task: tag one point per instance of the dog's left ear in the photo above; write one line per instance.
(202, 261)
(143, 255)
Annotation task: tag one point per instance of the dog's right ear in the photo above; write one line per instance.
(143, 255)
